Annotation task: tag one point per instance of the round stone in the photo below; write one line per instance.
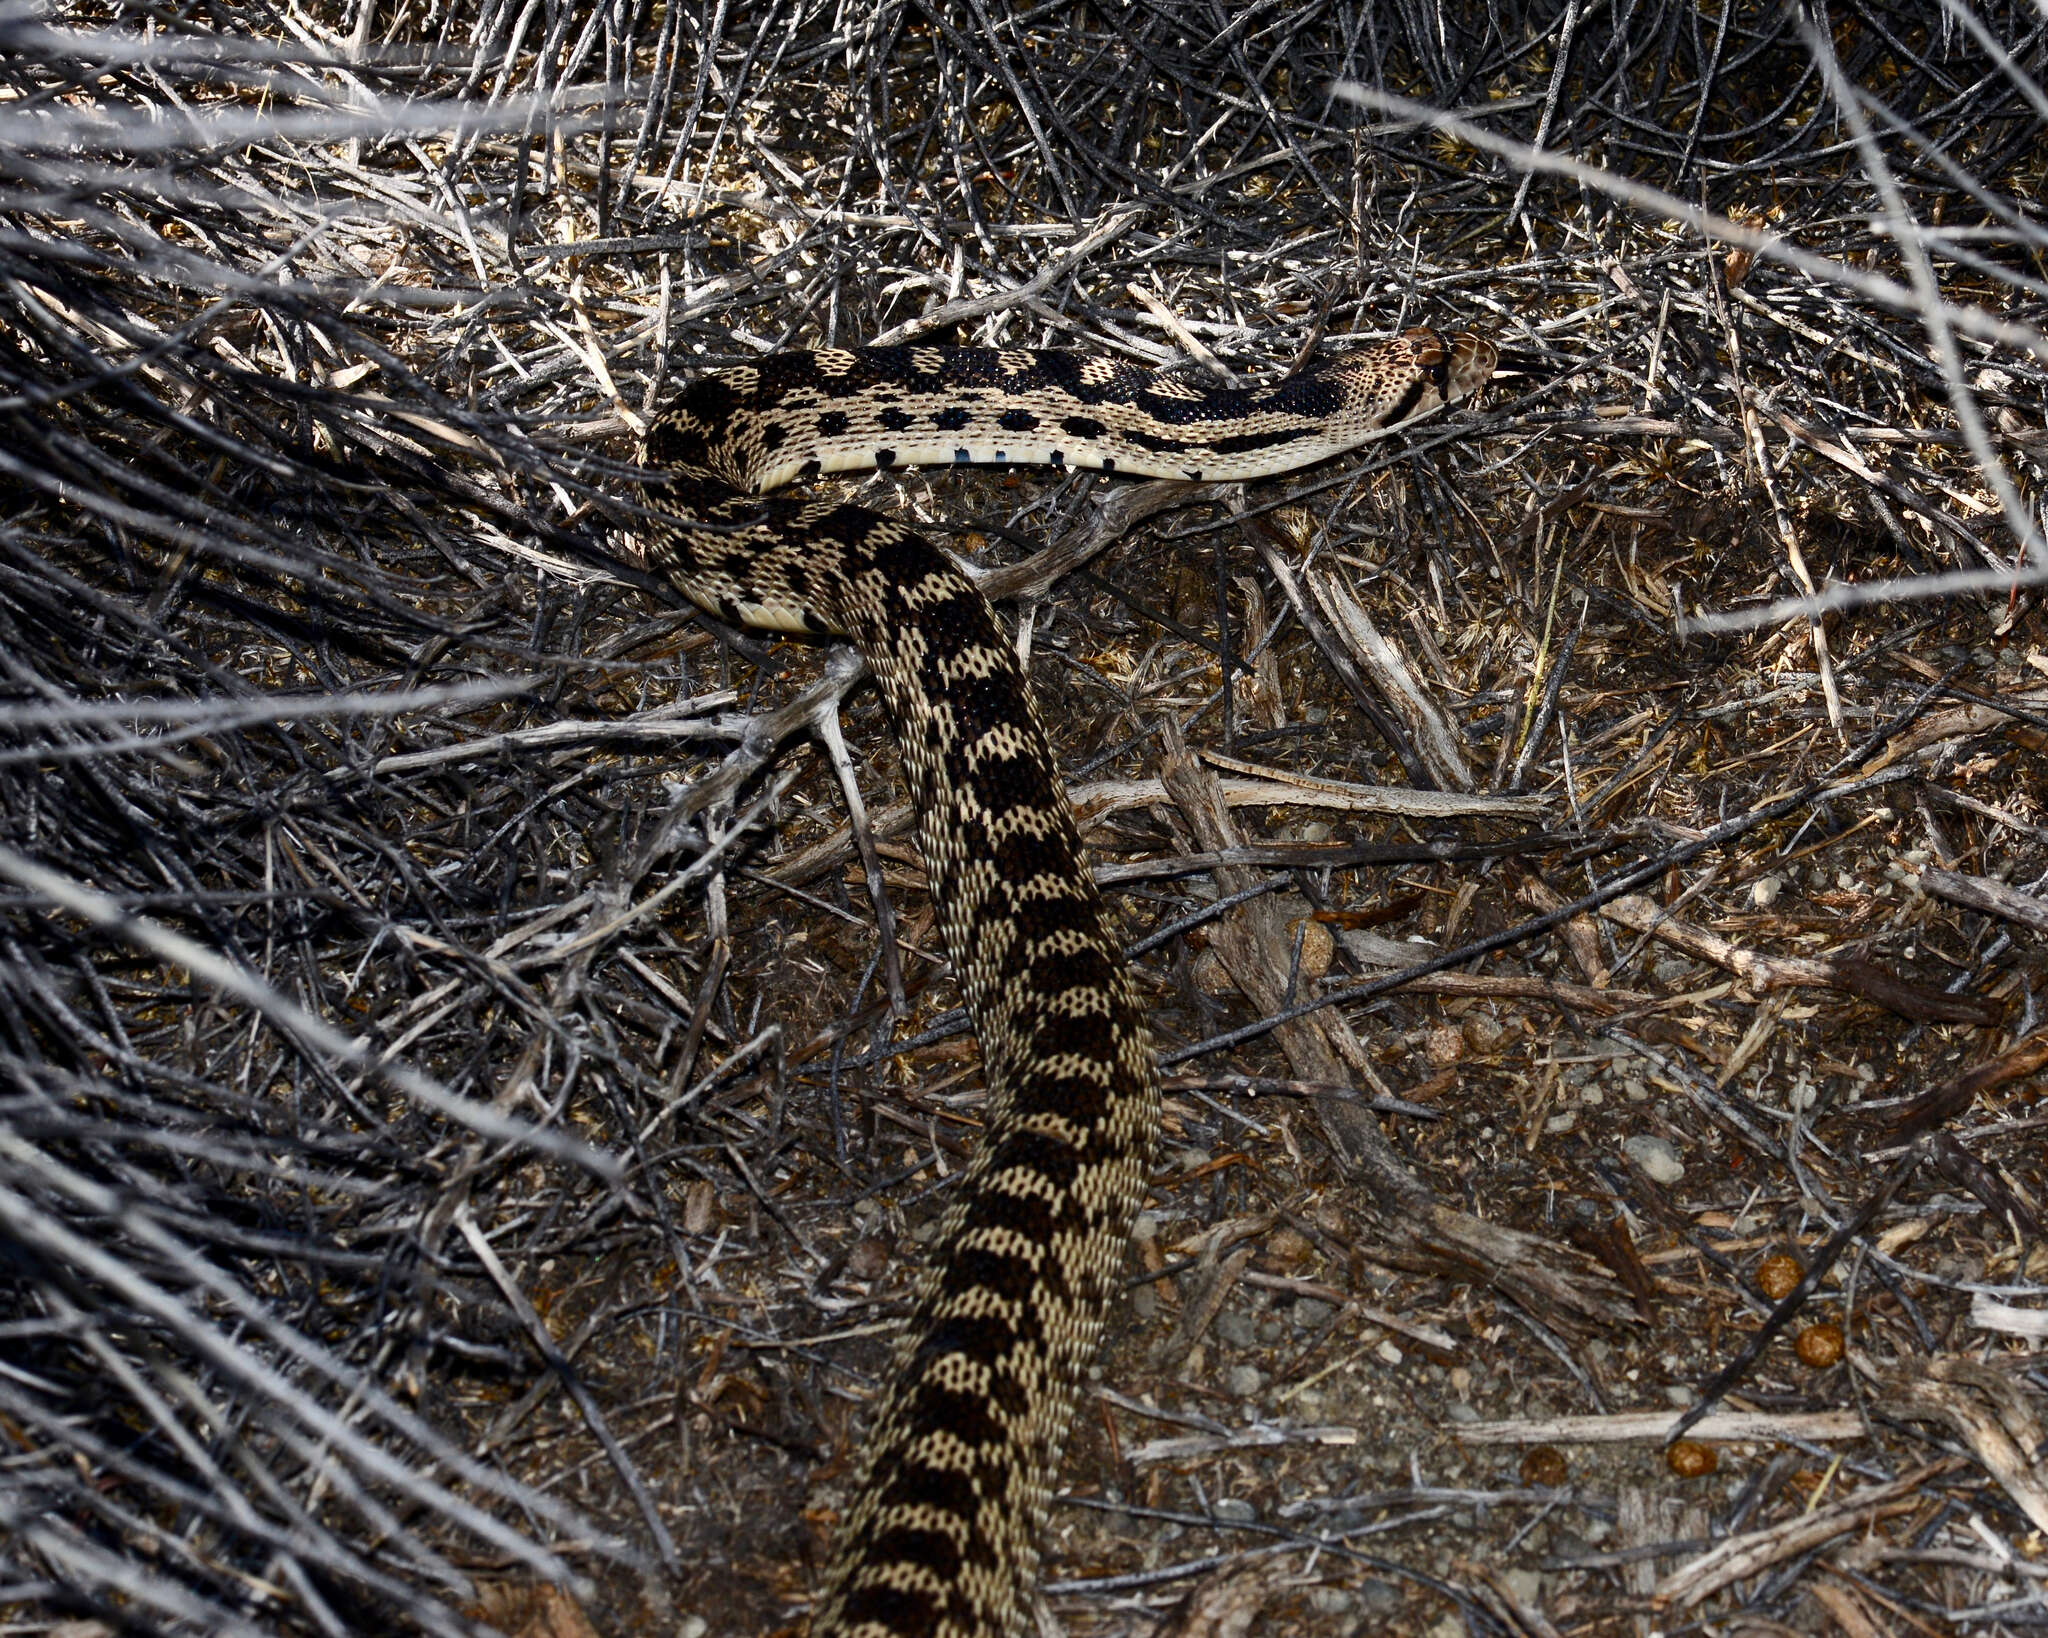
(1658, 1161)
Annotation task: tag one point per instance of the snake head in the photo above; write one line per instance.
(1457, 366)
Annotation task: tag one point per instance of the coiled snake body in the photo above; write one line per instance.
(941, 1537)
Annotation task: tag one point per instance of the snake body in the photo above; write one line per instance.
(940, 1540)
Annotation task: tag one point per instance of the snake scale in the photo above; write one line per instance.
(941, 1538)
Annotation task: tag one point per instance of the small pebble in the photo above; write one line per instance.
(1657, 1159)
(1237, 1328)
(1482, 1034)
(1309, 1312)
(1777, 1275)
(869, 1257)
(1764, 891)
(1820, 1346)
(1244, 1380)
(1318, 945)
(1378, 1598)
(1236, 1510)
(1287, 1247)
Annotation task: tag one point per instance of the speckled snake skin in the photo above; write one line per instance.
(941, 1538)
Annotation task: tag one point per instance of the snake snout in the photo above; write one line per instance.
(1473, 360)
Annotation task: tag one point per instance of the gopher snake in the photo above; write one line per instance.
(941, 1538)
